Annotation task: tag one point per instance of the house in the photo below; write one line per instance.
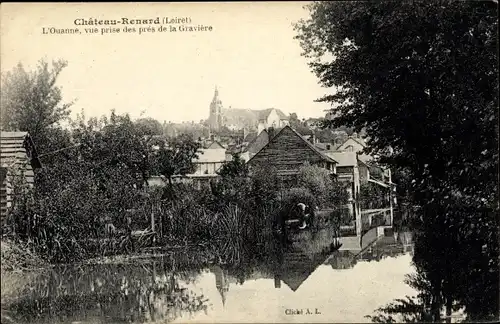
(369, 170)
(349, 170)
(209, 161)
(353, 144)
(287, 151)
(271, 118)
(19, 159)
(240, 118)
(327, 146)
(207, 164)
(215, 145)
(257, 143)
(248, 149)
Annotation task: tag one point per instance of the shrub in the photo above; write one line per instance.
(293, 196)
(326, 192)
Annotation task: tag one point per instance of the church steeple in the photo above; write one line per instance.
(216, 94)
(215, 115)
(216, 99)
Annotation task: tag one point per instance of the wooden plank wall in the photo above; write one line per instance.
(286, 151)
(15, 160)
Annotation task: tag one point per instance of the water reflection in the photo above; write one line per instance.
(307, 275)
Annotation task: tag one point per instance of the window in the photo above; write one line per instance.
(349, 148)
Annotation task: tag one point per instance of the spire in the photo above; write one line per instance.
(216, 94)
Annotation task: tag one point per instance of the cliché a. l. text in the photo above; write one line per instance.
(302, 311)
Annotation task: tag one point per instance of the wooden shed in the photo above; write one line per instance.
(288, 151)
(18, 158)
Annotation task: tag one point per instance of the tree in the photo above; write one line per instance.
(149, 126)
(294, 120)
(325, 135)
(439, 111)
(96, 181)
(175, 157)
(318, 181)
(237, 167)
(117, 141)
(422, 79)
(32, 102)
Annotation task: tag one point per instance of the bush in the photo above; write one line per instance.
(326, 192)
(293, 196)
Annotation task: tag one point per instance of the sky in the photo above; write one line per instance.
(250, 55)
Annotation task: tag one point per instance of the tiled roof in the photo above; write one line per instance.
(258, 142)
(324, 146)
(263, 114)
(15, 148)
(314, 148)
(281, 114)
(215, 145)
(248, 117)
(344, 159)
(250, 137)
(356, 139)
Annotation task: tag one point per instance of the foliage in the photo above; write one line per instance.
(17, 256)
(149, 126)
(32, 102)
(299, 125)
(373, 196)
(318, 181)
(175, 156)
(291, 197)
(116, 142)
(92, 185)
(428, 106)
(237, 167)
(93, 191)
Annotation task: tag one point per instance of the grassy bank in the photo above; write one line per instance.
(17, 257)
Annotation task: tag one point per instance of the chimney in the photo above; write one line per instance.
(212, 137)
(328, 147)
(312, 139)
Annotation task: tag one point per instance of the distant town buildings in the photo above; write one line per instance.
(238, 118)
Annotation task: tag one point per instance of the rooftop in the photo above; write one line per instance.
(211, 155)
(344, 159)
(14, 147)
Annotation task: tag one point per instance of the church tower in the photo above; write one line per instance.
(215, 116)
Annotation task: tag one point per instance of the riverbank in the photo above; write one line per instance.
(16, 257)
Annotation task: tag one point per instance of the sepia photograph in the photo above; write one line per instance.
(249, 162)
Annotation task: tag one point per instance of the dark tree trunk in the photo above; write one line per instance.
(449, 303)
(436, 305)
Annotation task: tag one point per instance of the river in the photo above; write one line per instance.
(300, 286)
